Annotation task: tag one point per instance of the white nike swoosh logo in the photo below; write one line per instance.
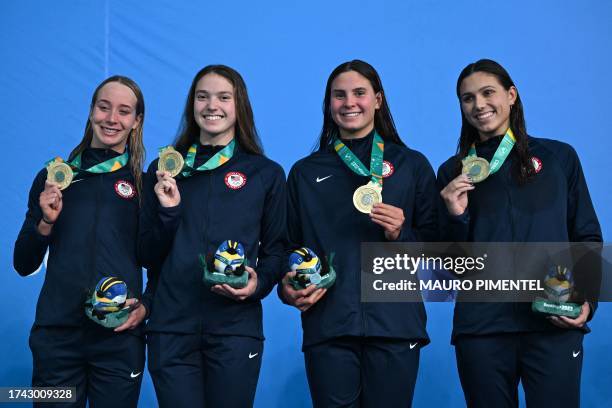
(413, 345)
(575, 353)
(135, 375)
(323, 178)
(253, 355)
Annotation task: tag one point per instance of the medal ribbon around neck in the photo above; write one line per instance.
(63, 173)
(353, 162)
(107, 166)
(220, 158)
(478, 169)
(501, 154)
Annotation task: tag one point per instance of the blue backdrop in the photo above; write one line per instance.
(55, 53)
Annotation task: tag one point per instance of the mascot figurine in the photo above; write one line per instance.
(309, 270)
(106, 305)
(226, 266)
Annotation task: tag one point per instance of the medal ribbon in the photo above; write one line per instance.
(353, 162)
(217, 160)
(107, 166)
(502, 152)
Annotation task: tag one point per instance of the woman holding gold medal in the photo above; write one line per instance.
(362, 184)
(85, 212)
(506, 186)
(212, 192)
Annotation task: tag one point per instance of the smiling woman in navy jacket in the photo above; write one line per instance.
(538, 194)
(206, 344)
(90, 229)
(358, 354)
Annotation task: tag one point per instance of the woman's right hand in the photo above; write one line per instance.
(50, 201)
(303, 299)
(166, 190)
(455, 194)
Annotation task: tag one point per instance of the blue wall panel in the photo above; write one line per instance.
(54, 54)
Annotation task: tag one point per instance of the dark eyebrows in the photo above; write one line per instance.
(205, 92)
(352, 90)
(108, 103)
(480, 90)
(485, 87)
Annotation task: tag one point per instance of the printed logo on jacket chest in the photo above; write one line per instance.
(388, 169)
(235, 180)
(537, 164)
(125, 189)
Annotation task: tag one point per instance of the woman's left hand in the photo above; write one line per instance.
(238, 294)
(390, 218)
(135, 318)
(567, 323)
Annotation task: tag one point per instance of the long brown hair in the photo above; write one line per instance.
(245, 134)
(523, 167)
(134, 142)
(383, 121)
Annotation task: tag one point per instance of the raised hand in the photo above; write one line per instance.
(455, 194)
(390, 218)
(50, 201)
(166, 190)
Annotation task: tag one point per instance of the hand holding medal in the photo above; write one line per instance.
(166, 190)
(389, 217)
(475, 170)
(455, 194)
(171, 164)
(50, 201)
(478, 169)
(59, 177)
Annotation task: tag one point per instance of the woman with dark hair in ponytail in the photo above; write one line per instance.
(85, 212)
(534, 191)
(205, 340)
(358, 354)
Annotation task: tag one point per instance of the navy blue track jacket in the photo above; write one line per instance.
(553, 207)
(94, 237)
(321, 216)
(213, 209)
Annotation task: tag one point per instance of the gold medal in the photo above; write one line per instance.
(171, 161)
(475, 167)
(59, 173)
(366, 196)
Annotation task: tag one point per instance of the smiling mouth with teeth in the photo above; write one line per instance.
(109, 130)
(351, 114)
(485, 115)
(213, 117)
